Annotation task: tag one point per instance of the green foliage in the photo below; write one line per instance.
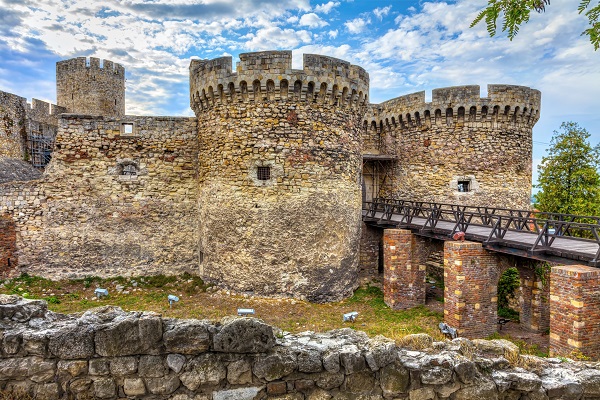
(52, 300)
(508, 283)
(516, 13)
(508, 313)
(568, 175)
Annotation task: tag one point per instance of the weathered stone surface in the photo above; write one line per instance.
(330, 380)
(175, 362)
(105, 388)
(35, 368)
(239, 372)
(122, 366)
(248, 393)
(436, 375)
(394, 379)
(331, 360)
(206, 369)
(518, 379)
(244, 335)
(99, 366)
(426, 393)
(72, 367)
(152, 366)
(129, 336)
(310, 361)
(163, 385)
(359, 382)
(186, 337)
(590, 379)
(134, 387)
(482, 389)
(351, 359)
(46, 391)
(18, 309)
(275, 366)
(72, 343)
(466, 371)
(382, 352)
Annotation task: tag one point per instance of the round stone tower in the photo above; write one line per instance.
(279, 167)
(91, 86)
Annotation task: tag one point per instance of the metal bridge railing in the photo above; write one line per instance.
(547, 226)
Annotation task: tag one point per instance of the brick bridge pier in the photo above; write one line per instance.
(568, 304)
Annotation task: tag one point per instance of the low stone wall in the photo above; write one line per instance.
(107, 353)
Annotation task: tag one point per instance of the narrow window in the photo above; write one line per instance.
(263, 173)
(127, 129)
(464, 186)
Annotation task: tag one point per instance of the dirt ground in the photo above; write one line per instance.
(512, 329)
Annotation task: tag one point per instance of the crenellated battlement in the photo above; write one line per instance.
(268, 76)
(507, 104)
(90, 64)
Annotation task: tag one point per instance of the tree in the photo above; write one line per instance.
(568, 175)
(517, 12)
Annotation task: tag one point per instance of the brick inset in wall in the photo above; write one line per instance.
(8, 238)
(470, 279)
(403, 273)
(534, 301)
(370, 249)
(575, 310)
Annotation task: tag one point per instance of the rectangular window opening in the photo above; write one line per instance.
(464, 186)
(263, 173)
(127, 129)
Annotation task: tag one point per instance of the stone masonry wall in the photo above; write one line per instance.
(295, 232)
(8, 239)
(459, 137)
(13, 128)
(110, 203)
(91, 86)
(106, 353)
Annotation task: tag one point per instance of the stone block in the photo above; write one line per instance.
(134, 387)
(105, 388)
(186, 337)
(204, 370)
(163, 385)
(152, 366)
(175, 362)
(73, 342)
(239, 372)
(244, 335)
(122, 366)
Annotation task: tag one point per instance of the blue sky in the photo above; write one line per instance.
(406, 46)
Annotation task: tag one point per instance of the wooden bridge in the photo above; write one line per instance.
(564, 238)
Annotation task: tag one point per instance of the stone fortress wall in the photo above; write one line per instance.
(459, 136)
(91, 86)
(108, 354)
(261, 192)
(294, 231)
(88, 216)
(20, 120)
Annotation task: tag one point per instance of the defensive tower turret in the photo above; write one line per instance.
(279, 166)
(91, 86)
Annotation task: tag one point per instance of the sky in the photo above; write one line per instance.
(406, 46)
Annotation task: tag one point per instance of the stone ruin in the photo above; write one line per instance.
(106, 353)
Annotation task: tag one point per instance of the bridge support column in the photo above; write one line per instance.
(470, 296)
(403, 271)
(575, 310)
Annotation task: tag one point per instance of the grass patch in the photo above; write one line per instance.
(524, 347)
(149, 293)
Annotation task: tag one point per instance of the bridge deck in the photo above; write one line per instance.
(567, 250)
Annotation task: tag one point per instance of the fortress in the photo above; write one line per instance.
(262, 191)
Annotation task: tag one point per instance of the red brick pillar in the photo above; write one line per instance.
(470, 296)
(8, 238)
(575, 310)
(403, 276)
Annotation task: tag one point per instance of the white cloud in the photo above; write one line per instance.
(333, 34)
(277, 38)
(357, 25)
(312, 20)
(327, 7)
(381, 12)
